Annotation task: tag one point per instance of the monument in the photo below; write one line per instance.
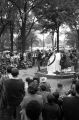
(55, 67)
(54, 63)
(56, 70)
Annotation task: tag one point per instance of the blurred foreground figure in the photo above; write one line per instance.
(51, 110)
(71, 105)
(33, 111)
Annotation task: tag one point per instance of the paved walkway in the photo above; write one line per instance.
(30, 72)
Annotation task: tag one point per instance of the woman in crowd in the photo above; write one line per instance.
(32, 95)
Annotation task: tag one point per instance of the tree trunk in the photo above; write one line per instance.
(77, 42)
(58, 39)
(23, 29)
(23, 37)
(52, 40)
(31, 44)
(11, 35)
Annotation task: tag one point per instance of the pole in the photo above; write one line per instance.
(43, 41)
(57, 38)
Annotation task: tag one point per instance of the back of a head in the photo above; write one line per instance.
(9, 69)
(77, 87)
(15, 72)
(50, 98)
(56, 95)
(43, 87)
(59, 85)
(36, 78)
(32, 88)
(29, 80)
(74, 81)
(33, 110)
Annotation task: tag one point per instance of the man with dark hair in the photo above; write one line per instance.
(32, 95)
(71, 105)
(14, 91)
(33, 111)
(51, 110)
(9, 68)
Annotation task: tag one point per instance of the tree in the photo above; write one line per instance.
(32, 39)
(71, 38)
(24, 7)
(17, 17)
(72, 18)
(52, 13)
(7, 19)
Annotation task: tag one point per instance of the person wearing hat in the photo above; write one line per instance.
(43, 81)
(71, 105)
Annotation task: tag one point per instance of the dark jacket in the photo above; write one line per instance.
(71, 108)
(15, 91)
(51, 112)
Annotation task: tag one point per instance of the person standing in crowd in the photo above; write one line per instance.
(43, 91)
(63, 61)
(71, 105)
(51, 110)
(74, 59)
(38, 59)
(8, 74)
(21, 57)
(33, 111)
(43, 81)
(49, 53)
(14, 91)
(32, 95)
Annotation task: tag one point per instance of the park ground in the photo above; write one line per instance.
(30, 72)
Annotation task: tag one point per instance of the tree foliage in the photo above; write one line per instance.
(20, 16)
(71, 38)
(16, 15)
(52, 13)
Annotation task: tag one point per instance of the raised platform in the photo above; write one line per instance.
(43, 73)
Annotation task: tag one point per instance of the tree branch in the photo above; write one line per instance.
(33, 6)
(31, 27)
(14, 3)
(3, 28)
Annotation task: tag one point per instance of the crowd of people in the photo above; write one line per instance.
(33, 99)
(36, 58)
(24, 61)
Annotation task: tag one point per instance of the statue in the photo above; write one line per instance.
(59, 63)
(54, 63)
